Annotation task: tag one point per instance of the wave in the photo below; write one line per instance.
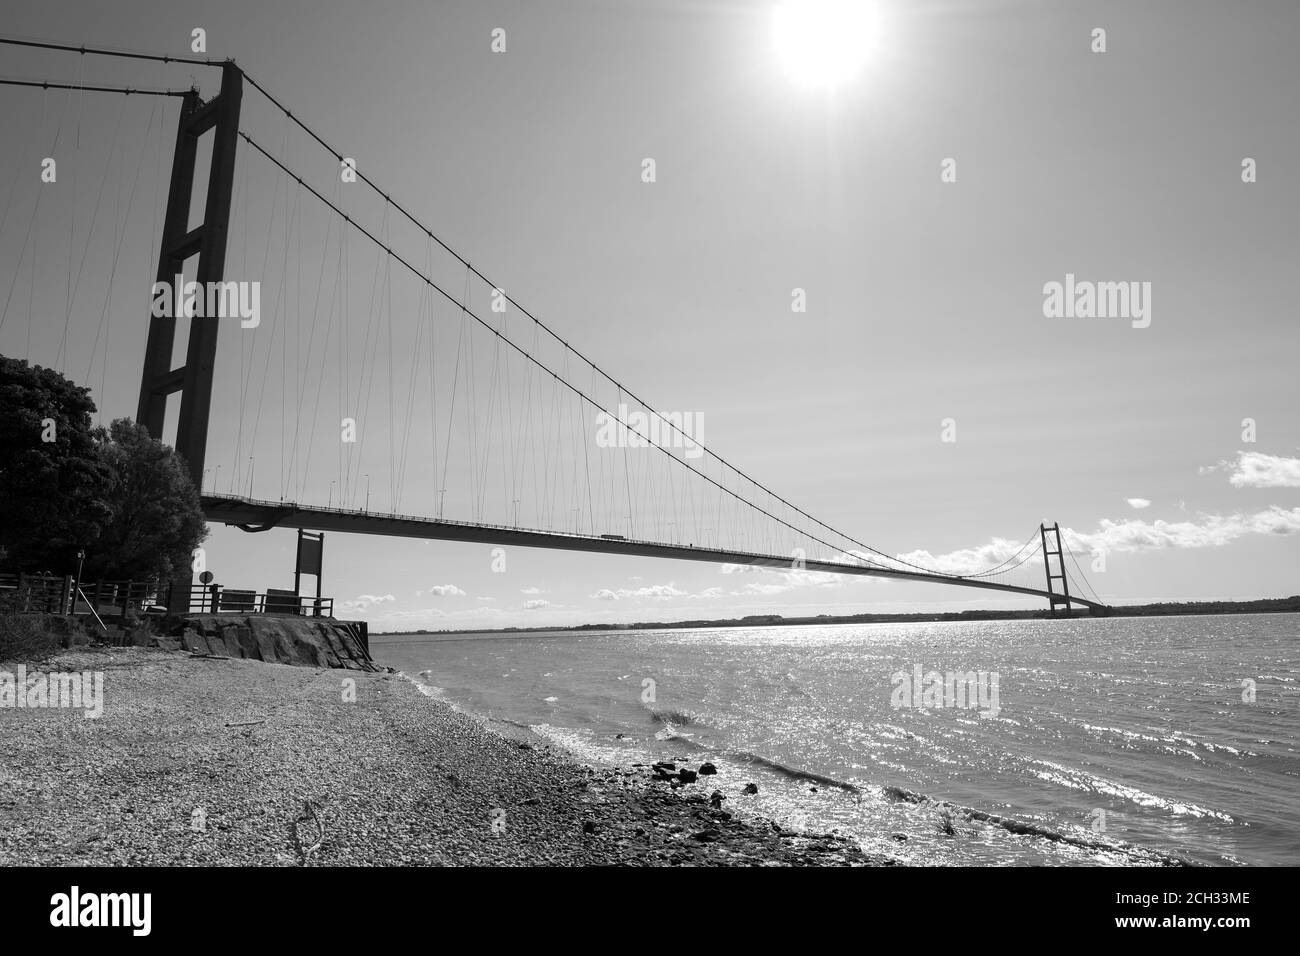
(669, 732)
(425, 685)
(511, 722)
(901, 795)
(794, 773)
(1083, 780)
(675, 718)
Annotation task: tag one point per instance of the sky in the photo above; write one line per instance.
(925, 401)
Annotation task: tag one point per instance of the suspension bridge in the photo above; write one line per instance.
(488, 425)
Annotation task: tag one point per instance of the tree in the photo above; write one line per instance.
(157, 520)
(119, 494)
(54, 482)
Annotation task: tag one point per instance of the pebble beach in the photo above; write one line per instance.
(208, 761)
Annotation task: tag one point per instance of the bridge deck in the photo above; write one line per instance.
(253, 515)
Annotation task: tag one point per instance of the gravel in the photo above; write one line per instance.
(222, 762)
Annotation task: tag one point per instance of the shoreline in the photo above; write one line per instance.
(231, 762)
(1287, 605)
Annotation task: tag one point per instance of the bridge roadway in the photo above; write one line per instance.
(253, 515)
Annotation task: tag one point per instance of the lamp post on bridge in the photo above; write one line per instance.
(367, 494)
(331, 499)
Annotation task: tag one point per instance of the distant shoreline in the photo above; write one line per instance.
(1287, 605)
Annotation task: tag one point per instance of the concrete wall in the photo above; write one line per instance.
(282, 639)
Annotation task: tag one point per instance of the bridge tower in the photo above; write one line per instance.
(1059, 554)
(179, 243)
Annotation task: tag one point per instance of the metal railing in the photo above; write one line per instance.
(54, 594)
(215, 599)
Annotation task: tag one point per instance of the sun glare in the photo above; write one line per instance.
(823, 43)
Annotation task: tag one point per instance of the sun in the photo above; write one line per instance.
(824, 43)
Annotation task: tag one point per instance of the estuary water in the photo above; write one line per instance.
(1114, 741)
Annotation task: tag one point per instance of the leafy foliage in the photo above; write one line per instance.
(157, 520)
(118, 493)
(26, 637)
(54, 484)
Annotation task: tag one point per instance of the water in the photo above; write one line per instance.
(1128, 736)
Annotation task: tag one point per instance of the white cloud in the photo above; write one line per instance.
(367, 600)
(421, 614)
(819, 579)
(536, 604)
(446, 590)
(757, 587)
(967, 560)
(659, 592)
(791, 578)
(666, 592)
(808, 577)
(1205, 531)
(1131, 534)
(1138, 503)
(533, 591)
(1253, 469)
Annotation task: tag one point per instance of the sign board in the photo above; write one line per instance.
(311, 552)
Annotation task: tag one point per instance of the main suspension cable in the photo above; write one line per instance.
(465, 262)
(108, 51)
(208, 61)
(542, 366)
